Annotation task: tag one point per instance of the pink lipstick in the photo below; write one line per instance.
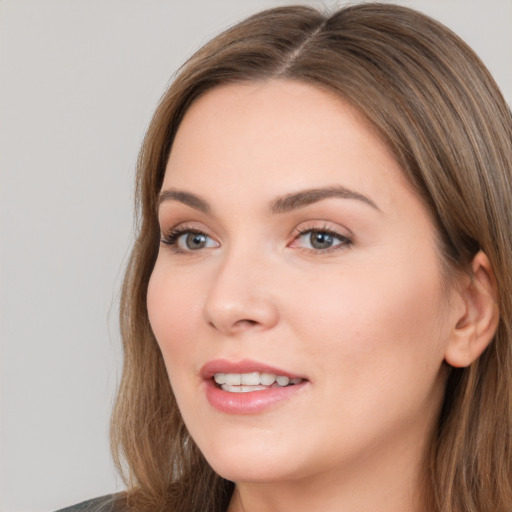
(248, 387)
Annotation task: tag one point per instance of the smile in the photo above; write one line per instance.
(254, 381)
(249, 387)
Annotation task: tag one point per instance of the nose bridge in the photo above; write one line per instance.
(240, 294)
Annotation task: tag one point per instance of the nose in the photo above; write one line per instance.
(240, 297)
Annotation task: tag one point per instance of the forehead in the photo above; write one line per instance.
(278, 135)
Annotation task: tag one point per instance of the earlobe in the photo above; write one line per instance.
(476, 326)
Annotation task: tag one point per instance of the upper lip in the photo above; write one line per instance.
(209, 369)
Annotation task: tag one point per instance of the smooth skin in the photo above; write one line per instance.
(345, 290)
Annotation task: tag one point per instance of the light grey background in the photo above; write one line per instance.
(79, 80)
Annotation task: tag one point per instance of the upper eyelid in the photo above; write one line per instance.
(180, 229)
(324, 225)
(190, 225)
(331, 232)
(172, 214)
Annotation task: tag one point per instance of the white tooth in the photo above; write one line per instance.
(231, 389)
(267, 379)
(242, 389)
(295, 381)
(251, 379)
(220, 378)
(233, 379)
(247, 389)
(282, 380)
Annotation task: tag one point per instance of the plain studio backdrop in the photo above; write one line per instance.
(79, 80)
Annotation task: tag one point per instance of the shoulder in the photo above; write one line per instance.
(109, 503)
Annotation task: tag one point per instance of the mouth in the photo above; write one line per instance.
(253, 381)
(247, 387)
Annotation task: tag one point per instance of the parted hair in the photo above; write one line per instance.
(440, 112)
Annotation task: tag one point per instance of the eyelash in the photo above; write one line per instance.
(345, 241)
(172, 237)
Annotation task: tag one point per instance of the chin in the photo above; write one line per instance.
(252, 472)
(254, 461)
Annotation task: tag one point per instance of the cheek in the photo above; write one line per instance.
(385, 323)
(172, 309)
(375, 345)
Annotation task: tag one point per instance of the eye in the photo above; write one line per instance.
(320, 240)
(186, 240)
(193, 241)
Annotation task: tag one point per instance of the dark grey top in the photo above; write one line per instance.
(101, 504)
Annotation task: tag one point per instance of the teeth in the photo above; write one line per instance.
(242, 389)
(283, 381)
(220, 378)
(254, 381)
(233, 379)
(267, 379)
(250, 379)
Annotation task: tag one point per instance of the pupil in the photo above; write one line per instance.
(195, 240)
(320, 240)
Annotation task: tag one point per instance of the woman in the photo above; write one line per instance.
(317, 310)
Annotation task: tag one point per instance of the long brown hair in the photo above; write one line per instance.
(440, 112)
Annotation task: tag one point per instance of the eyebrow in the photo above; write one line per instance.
(283, 204)
(184, 197)
(303, 198)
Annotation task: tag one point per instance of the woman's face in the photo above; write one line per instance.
(292, 247)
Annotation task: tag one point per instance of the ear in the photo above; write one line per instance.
(476, 326)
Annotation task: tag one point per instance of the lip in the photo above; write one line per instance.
(252, 402)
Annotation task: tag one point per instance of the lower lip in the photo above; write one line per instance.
(251, 402)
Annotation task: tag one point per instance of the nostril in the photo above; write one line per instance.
(246, 322)
(239, 325)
